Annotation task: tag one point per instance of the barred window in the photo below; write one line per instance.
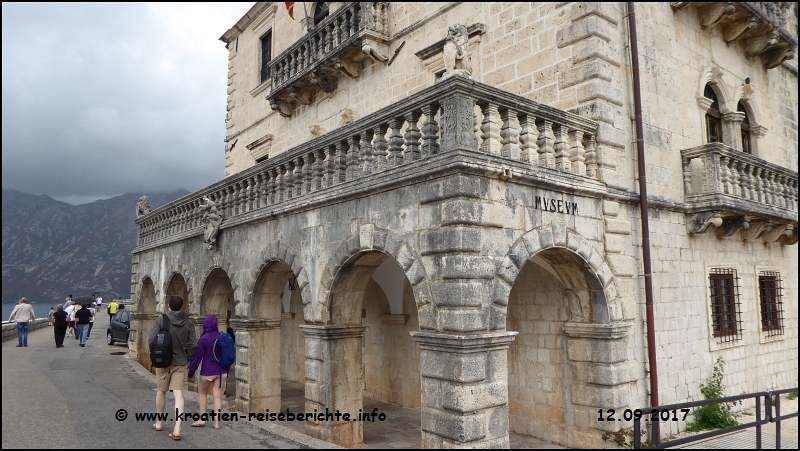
(726, 309)
(770, 292)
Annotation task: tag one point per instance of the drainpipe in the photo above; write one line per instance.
(648, 271)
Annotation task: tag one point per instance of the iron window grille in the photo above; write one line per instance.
(266, 55)
(771, 294)
(726, 307)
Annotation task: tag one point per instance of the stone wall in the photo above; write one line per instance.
(10, 330)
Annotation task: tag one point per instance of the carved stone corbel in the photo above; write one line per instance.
(348, 68)
(348, 116)
(775, 57)
(715, 13)
(300, 96)
(283, 107)
(756, 230)
(379, 52)
(760, 44)
(777, 232)
(699, 222)
(327, 84)
(735, 30)
(733, 225)
(790, 238)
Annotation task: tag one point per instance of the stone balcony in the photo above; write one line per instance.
(457, 125)
(334, 47)
(736, 191)
(765, 29)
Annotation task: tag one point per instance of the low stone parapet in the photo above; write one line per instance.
(10, 329)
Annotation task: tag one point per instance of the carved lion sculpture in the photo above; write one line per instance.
(454, 53)
(143, 206)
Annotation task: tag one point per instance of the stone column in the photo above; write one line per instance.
(598, 356)
(335, 382)
(258, 369)
(464, 389)
(732, 136)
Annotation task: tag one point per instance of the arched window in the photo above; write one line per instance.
(713, 117)
(746, 142)
(320, 12)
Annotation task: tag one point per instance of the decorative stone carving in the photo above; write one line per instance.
(433, 55)
(732, 225)
(143, 206)
(699, 223)
(327, 84)
(348, 68)
(348, 116)
(775, 233)
(755, 230)
(316, 131)
(300, 96)
(454, 55)
(379, 52)
(211, 220)
(283, 107)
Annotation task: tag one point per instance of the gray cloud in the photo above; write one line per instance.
(104, 99)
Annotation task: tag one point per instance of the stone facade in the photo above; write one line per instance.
(464, 173)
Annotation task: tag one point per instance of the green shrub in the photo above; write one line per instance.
(792, 396)
(714, 416)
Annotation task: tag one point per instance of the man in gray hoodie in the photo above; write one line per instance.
(184, 342)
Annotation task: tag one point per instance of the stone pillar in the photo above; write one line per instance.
(335, 382)
(464, 389)
(732, 136)
(258, 369)
(598, 357)
(140, 337)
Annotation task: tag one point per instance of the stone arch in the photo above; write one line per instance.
(277, 252)
(218, 261)
(176, 284)
(146, 301)
(590, 272)
(217, 296)
(744, 95)
(712, 76)
(371, 238)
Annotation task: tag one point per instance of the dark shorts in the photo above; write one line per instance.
(72, 324)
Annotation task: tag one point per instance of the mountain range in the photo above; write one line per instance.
(51, 248)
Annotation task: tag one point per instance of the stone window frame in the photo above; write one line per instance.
(769, 336)
(743, 97)
(717, 343)
(713, 116)
(261, 27)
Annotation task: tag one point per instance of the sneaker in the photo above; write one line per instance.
(24, 346)
(83, 346)
(19, 346)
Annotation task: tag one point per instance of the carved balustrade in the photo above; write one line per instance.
(736, 191)
(489, 127)
(335, 46)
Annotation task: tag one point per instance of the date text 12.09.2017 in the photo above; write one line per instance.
(637, 414)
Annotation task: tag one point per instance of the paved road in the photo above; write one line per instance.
(67, 397)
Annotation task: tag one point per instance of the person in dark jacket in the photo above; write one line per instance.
(182, 333)
(210, 372)
(60, 324)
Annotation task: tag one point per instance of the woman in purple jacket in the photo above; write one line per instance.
(210, 371)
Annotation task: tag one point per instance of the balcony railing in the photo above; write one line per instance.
(457, 114)
(352, 32)
(721, 182)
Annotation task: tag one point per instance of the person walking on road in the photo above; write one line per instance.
(50, 315)
(60, 324)
(91, 320)
(69, 310)
(82, 318)
(184, 341)
(23, 313)
(210, 371)
(112, 309)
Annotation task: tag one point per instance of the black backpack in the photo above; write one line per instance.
(161, 346)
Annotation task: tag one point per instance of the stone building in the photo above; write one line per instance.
(436, 205)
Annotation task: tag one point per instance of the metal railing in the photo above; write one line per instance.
(761, 399)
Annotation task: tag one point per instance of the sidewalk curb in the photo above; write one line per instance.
(281, 431)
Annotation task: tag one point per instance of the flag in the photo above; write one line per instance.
(290, 9)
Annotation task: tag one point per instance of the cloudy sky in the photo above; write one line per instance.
(104, 99)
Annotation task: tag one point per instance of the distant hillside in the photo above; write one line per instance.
(51, 249)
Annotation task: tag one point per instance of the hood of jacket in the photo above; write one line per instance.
(210, 324)
(178, 319)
